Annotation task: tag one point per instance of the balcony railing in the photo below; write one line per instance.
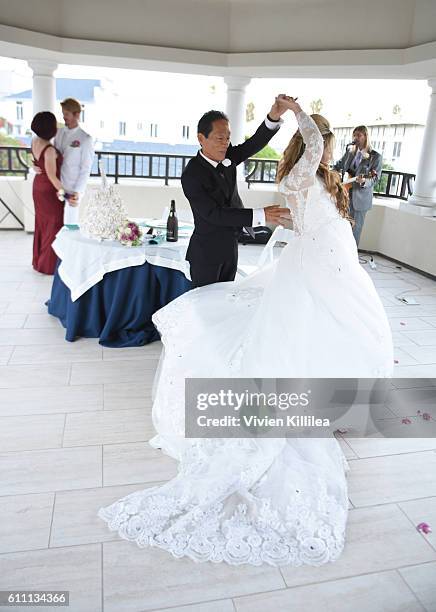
(124, 165)
(392, 184)
(15, 160)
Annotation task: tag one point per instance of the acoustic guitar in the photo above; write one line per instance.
(348, 182)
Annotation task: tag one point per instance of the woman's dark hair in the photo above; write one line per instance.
(44, 125)
(205, 124)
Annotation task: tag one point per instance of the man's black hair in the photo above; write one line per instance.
(205, 124)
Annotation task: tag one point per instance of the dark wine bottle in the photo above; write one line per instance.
(172, 224)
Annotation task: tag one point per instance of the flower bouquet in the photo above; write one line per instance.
(129, 234)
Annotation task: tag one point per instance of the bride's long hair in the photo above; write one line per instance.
(331, 178)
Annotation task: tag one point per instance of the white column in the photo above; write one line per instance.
(424, 192)
(235, 110)
(44, 85)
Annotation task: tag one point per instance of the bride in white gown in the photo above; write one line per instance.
(312, 313)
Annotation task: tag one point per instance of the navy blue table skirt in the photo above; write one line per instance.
(119, 308)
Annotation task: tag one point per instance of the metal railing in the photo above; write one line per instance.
(392, 184)
(15, 160)
(140, 165)
(167, 167)
(258, 170)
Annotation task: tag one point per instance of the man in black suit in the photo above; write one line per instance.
(209, 183)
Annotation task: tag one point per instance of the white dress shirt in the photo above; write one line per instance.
(77, 149)
(258, 213)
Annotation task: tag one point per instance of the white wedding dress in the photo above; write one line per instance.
(312, 313)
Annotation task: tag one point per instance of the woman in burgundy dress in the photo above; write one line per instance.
(47, 192)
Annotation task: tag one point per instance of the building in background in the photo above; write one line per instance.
(149, 121)
(157, 120)
(399, 141)
(12, 80)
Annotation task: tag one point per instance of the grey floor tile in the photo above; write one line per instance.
(25, 521)
(107, 427)
(382, 592)
(22, 376)
(31, 432)
(392, 478)
(377, 539)
(76, 569)
(144, 579)
(51, 399)
(137, 462)
(422, 580)
(42, 471)
(139, 396)
(75, 519)
(112, 371)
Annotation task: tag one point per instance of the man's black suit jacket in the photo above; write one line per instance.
(215, 202)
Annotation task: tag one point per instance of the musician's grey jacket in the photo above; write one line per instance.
(362, 194)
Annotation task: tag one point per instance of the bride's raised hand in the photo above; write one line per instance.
(290, 103)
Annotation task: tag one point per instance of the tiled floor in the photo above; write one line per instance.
(74, 425)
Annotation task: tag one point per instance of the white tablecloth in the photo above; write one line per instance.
(85, 261)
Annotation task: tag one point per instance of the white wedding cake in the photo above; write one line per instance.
(105, 211)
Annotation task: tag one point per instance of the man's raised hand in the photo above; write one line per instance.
(278, 108)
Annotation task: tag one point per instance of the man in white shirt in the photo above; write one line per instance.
(77, 149)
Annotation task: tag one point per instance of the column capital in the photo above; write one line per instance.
(432, 83)
(237, 82)
(42, 67)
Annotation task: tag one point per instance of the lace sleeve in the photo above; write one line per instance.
(295, 185)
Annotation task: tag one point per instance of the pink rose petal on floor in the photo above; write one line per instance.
(402, 323)
(396, 361)
(406, 421)
(424, 527)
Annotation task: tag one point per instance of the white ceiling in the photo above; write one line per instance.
(367, 38)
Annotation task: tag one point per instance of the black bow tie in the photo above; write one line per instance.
(220, 168)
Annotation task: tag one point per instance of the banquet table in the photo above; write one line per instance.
(102, 289)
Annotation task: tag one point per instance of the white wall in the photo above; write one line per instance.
(405, 237)
(141, 200)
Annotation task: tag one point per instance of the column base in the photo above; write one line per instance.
(418, 209)
(421, 200)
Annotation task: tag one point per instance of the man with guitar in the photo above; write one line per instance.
(363, 166)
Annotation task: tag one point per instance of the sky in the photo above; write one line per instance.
(355, 101)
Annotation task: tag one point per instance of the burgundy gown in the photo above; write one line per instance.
(49, 216)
